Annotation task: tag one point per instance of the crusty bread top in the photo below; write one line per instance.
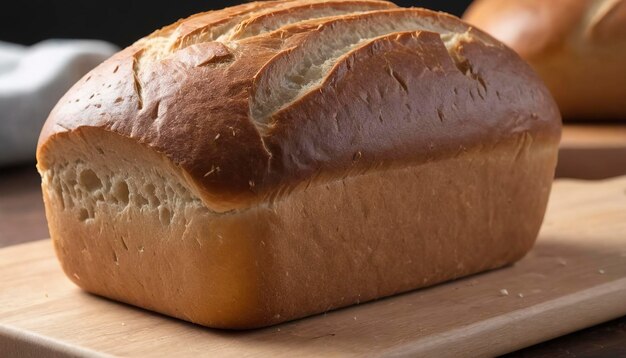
(256, 100)
(534, 27)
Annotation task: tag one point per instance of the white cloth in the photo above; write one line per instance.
(32, 80)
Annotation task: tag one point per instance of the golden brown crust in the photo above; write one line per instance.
(194, 104)
(273, 20)
(321, 248)
(273, 160)
(402, 63)
(577, 46)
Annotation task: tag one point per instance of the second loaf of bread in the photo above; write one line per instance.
(578, 47)
(273, 160)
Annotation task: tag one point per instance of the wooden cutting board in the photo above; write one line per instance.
(592, 151)
(575, 277)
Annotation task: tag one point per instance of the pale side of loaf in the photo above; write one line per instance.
(577, 46)
(273, 160)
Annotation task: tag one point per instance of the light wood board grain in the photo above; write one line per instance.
(575, 277)
(592, 151)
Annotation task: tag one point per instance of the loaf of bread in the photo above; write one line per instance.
(278, 159)
(577, 46)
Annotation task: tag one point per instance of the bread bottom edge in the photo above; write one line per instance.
(330, 246)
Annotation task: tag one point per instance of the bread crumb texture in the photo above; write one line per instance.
(79, 189)
(91, 177)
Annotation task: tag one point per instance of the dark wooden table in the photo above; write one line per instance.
(22, 219)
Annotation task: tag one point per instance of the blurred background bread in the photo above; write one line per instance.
(577, 46)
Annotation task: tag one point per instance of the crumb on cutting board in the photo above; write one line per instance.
(504, 292)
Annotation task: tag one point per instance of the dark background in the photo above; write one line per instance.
(122, 21)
